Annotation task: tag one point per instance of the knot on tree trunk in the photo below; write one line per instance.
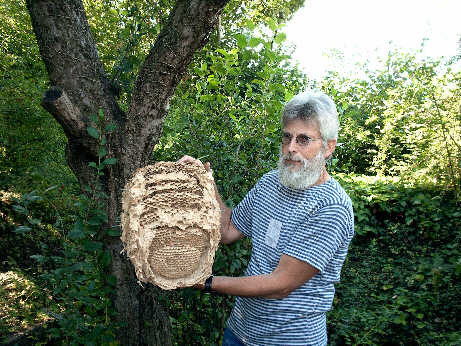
(60, 106)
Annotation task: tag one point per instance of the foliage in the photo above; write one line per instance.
(24, 126)
(28, 229)
(403, 120)
(21, 303)
(401, 282)
(126, 30)
(227, 111)
(77, 274)
(81, 281)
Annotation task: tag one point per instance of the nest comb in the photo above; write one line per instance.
(170, 224)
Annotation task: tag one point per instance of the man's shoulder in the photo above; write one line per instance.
(334, 193)
(269, 179)
(271, 175)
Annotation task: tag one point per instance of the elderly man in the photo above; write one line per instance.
(300, 222)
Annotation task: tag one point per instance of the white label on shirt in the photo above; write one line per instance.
(273, 233)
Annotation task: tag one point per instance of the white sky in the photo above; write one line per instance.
(362, 29)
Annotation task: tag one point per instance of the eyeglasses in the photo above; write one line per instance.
(301, 140)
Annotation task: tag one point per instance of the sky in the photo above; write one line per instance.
(363, 29)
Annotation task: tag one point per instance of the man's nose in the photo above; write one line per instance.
(292, 146)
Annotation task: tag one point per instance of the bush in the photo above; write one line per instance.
(401, 282)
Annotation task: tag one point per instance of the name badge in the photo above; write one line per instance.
(273, 233)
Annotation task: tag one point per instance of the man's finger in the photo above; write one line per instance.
(185, 159)
(190, 159)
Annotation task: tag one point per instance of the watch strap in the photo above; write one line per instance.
(208, 282)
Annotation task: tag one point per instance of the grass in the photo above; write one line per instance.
(23, 304)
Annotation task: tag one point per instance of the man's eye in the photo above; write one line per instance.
(286, 137)
(303, 140)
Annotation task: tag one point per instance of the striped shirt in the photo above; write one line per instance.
(314, 225)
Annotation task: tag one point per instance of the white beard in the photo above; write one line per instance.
(305, 176)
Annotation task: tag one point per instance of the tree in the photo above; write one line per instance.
(401, 120)
(81, 88)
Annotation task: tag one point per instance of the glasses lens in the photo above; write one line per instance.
(286, 138)
(303, 140)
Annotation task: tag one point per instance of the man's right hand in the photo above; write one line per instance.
(190, 159)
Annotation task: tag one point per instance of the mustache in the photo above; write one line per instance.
(291, 157)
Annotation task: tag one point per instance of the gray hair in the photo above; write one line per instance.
(314, 105)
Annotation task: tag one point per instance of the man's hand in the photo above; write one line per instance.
(190, 159)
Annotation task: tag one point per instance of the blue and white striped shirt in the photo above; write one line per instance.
(314, 225)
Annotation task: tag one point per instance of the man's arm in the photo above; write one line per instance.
(290, 274)
(229, 233)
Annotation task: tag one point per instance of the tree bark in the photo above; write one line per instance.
(80, 88)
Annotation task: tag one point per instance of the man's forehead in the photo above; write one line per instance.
(298, 126)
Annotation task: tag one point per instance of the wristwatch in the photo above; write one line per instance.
(208, 282)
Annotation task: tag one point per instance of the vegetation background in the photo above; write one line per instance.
(399, 160)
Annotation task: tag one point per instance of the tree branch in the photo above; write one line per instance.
(61, 108)
(71, 59)
(187, 30)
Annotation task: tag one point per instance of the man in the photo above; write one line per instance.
(300, 222)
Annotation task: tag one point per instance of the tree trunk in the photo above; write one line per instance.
(80, 88)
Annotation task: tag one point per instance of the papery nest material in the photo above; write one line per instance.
(170, 224)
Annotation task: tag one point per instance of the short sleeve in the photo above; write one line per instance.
(318, 239)
(242, 215)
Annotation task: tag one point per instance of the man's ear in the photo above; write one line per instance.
(331, 145)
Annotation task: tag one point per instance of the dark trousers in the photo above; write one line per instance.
(230, 339)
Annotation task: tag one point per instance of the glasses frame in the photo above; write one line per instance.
(302, 140)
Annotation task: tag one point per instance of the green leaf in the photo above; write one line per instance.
(110, 128)
(93, 164)
(272, 24)
(241, 40)
(38, 258)
(51, 188)
(250, 25)
(94, 118)
(20, 209)
(105, 258)
(419, 277)
(102, 152)
(77, 232)
(112, 280)
(280, 38)
(22, 229)
(254, 42)
(100, 114)
(213, 84)
(91, 246)
(32, 197)
(233, 118)
(113, 232)
(33, 221)
(222, 51)
(109, 161)
(95, 221)
(93, 132)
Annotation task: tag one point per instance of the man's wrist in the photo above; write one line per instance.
(208, 284)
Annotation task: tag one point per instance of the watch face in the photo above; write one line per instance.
(170, 224)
